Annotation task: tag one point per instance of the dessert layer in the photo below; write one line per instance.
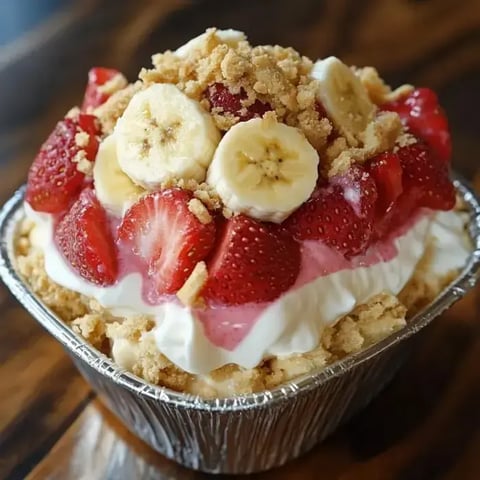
(329, 287)
(127, 338)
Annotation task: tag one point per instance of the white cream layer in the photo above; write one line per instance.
(291, 324)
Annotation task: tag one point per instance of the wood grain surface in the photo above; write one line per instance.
(426, 424)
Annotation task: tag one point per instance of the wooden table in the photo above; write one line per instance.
(426, 423)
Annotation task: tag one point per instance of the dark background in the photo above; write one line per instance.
(426, 425)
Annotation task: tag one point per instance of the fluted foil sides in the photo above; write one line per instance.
(238, 434)
(252, 439)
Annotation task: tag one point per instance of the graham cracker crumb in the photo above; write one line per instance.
(109, 112)
(200, 211)
(423, 287)
(227, 212)
(92, 328)
(204, 192)
(189, 293)
(273, 75)
(73, 113)
(82, 139)
(404, 140)
(378, 91)
(65, 303)
(380, 136)
(83, 164)
(118, 82)
(398, 93)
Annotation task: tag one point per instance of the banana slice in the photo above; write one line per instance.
(115, 191)
(264, 169)
(230, 37)
(163, 134)
(344, 98)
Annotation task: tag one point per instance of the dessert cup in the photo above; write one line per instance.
(246, 433)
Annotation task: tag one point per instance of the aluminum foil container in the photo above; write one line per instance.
(246, 433)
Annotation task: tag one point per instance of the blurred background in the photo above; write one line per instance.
(47, 47)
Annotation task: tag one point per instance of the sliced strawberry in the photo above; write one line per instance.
(94, 96)
(426, 178)
(84, 238)
(220, 97)
(253, 262)
(339, 212)
(399, 213)
(421, 112)
(54, 181)
(387, 173)
(167, 236)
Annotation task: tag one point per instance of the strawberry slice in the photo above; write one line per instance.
(84, 238)
(167, 236)
(253, 262)
(54, 181)
(94, 96)
(426, 177)
(220, 97)
(421, 112)
(387, 173)
(339, 212)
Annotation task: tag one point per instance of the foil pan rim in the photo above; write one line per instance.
(12, 212)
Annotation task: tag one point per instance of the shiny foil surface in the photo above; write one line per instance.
(247, 433)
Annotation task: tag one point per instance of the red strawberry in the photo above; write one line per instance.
(84, 238)
(400, 212)
(423, 115)
(220, 97)
(54, 181)
(253, 262)
(340, 212)
(387, 173)
(167, 236)
(426, 178)
(97, 77)
(425, 184)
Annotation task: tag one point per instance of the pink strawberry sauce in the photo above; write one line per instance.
(226, 326)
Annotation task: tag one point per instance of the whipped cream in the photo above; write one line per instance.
(201, 341)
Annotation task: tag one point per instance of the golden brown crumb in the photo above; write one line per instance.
(73, 113)
(191, 289)
(378, 91)
(113, 108)
(380, 135)
(92, 328)
(82, 139)
(404, 140)
(275, 76)
(118, 82)
(200, 211)
(83, 164)
(203, 191)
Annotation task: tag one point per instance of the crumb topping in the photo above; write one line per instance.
(189, 293)
(83, 164)
(200, 211)
(130, 342)
(82, 139)
(273, 75)
(118, 82)
(378, 91)
(380, 135)
(109, 112)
